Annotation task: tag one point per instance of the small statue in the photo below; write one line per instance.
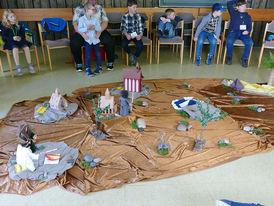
(125, 104)
(57, 101)
(26, 148)
(98, 134)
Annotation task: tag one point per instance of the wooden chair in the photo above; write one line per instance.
(176, 40)
(196, 24)
(53, 44)
(146, 42)
(153, 26)
(114, 21)
(269, 27)
(238, 42)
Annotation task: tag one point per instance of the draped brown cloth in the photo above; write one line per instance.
(129, 156)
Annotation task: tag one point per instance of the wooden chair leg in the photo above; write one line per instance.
(218, 55)
(10, 64)
(194, 55)
(190, 52)
(1, 65)
(37, 59)
(224, 56)
(147, 51)
(43, 53)
(126, 58)
(182, 52)
(150, 55)
(158, 52)
(261, 55)
(249, 57)
(173, 48)
(50, 65)
(177, 48)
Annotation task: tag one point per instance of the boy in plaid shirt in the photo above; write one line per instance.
(132, 30)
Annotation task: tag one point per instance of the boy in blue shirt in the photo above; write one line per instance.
(209, 28)
(240, 28)
(167, 24)
(88, 27)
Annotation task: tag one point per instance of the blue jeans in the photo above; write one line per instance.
(88, 50)
(201, 39)
(139, 45)
(232, 37)
(167, 26)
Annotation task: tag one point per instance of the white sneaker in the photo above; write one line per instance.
(31, 69)
(19, 71)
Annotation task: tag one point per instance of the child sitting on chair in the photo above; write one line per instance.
(239, 28)
(167, 24)
(13, 35)
(210, 29)
(88, 27)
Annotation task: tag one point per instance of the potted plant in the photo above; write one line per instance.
(269, 63)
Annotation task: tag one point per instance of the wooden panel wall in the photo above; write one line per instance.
(258, 26)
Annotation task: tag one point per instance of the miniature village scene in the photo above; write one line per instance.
(129, 128)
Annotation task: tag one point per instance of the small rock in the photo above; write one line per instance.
(97, 160)
(88, 158)
(93, 164)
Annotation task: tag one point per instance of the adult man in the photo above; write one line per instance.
(77, 41)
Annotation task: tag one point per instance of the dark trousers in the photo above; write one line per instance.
(77, 41)
(139, 45)
(232, 37)
(88, 50)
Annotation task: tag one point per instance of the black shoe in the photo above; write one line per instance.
(79, 69)
(89, 72)
(228, 60)
(159, 33)
(166, 32)
(98, 70)
(109, 68)
(244, 62)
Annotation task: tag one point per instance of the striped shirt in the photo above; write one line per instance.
(211, 26)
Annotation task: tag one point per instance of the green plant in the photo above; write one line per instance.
(258, 131)
(133, 124)
(183, 113)
(98, 111)
(253, 107)
(269, 62)
(184, 122)
(138, 102)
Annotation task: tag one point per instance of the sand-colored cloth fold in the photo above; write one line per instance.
(129, 156)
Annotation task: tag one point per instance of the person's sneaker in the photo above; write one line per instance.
(79, 69)
(228, 60)
(231, 203)
(109, 68)
(131, 59)
(244, 62)
(31, 69)
(166, 32)
(159, 33)
(209, 59)
(89, 72)
(98, 70)
(198, 61)
(19, 71)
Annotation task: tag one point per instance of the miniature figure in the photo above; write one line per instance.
(125, 104)
(25, 149)
(163, 147)
(141, 103)
(57, 101)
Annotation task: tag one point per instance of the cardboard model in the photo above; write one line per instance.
(57, 101)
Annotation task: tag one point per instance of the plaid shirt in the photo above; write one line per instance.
(130, 24)
(100, 13)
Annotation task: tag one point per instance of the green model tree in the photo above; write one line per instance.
(98, 111)
(269, 63)
(206, 116)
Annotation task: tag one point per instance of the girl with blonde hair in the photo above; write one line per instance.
(13, 35)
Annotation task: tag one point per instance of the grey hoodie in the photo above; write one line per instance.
(204, 23)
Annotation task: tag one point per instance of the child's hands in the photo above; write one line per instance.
(138, 37)
(97, 34)
(91, 27)
(86, 37)
(195, 39)
(245, 32)
(128, 36)
(17, 38)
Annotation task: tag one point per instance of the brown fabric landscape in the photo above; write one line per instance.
(129, 156)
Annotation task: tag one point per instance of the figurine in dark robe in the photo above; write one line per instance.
(124, 103)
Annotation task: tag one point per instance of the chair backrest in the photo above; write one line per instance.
(114, 17)
(156, 16)
(143, 15)
(147, 27)
(187, 17)
(197, 22)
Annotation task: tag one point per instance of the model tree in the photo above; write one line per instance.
(206, 116)
(99, 111)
